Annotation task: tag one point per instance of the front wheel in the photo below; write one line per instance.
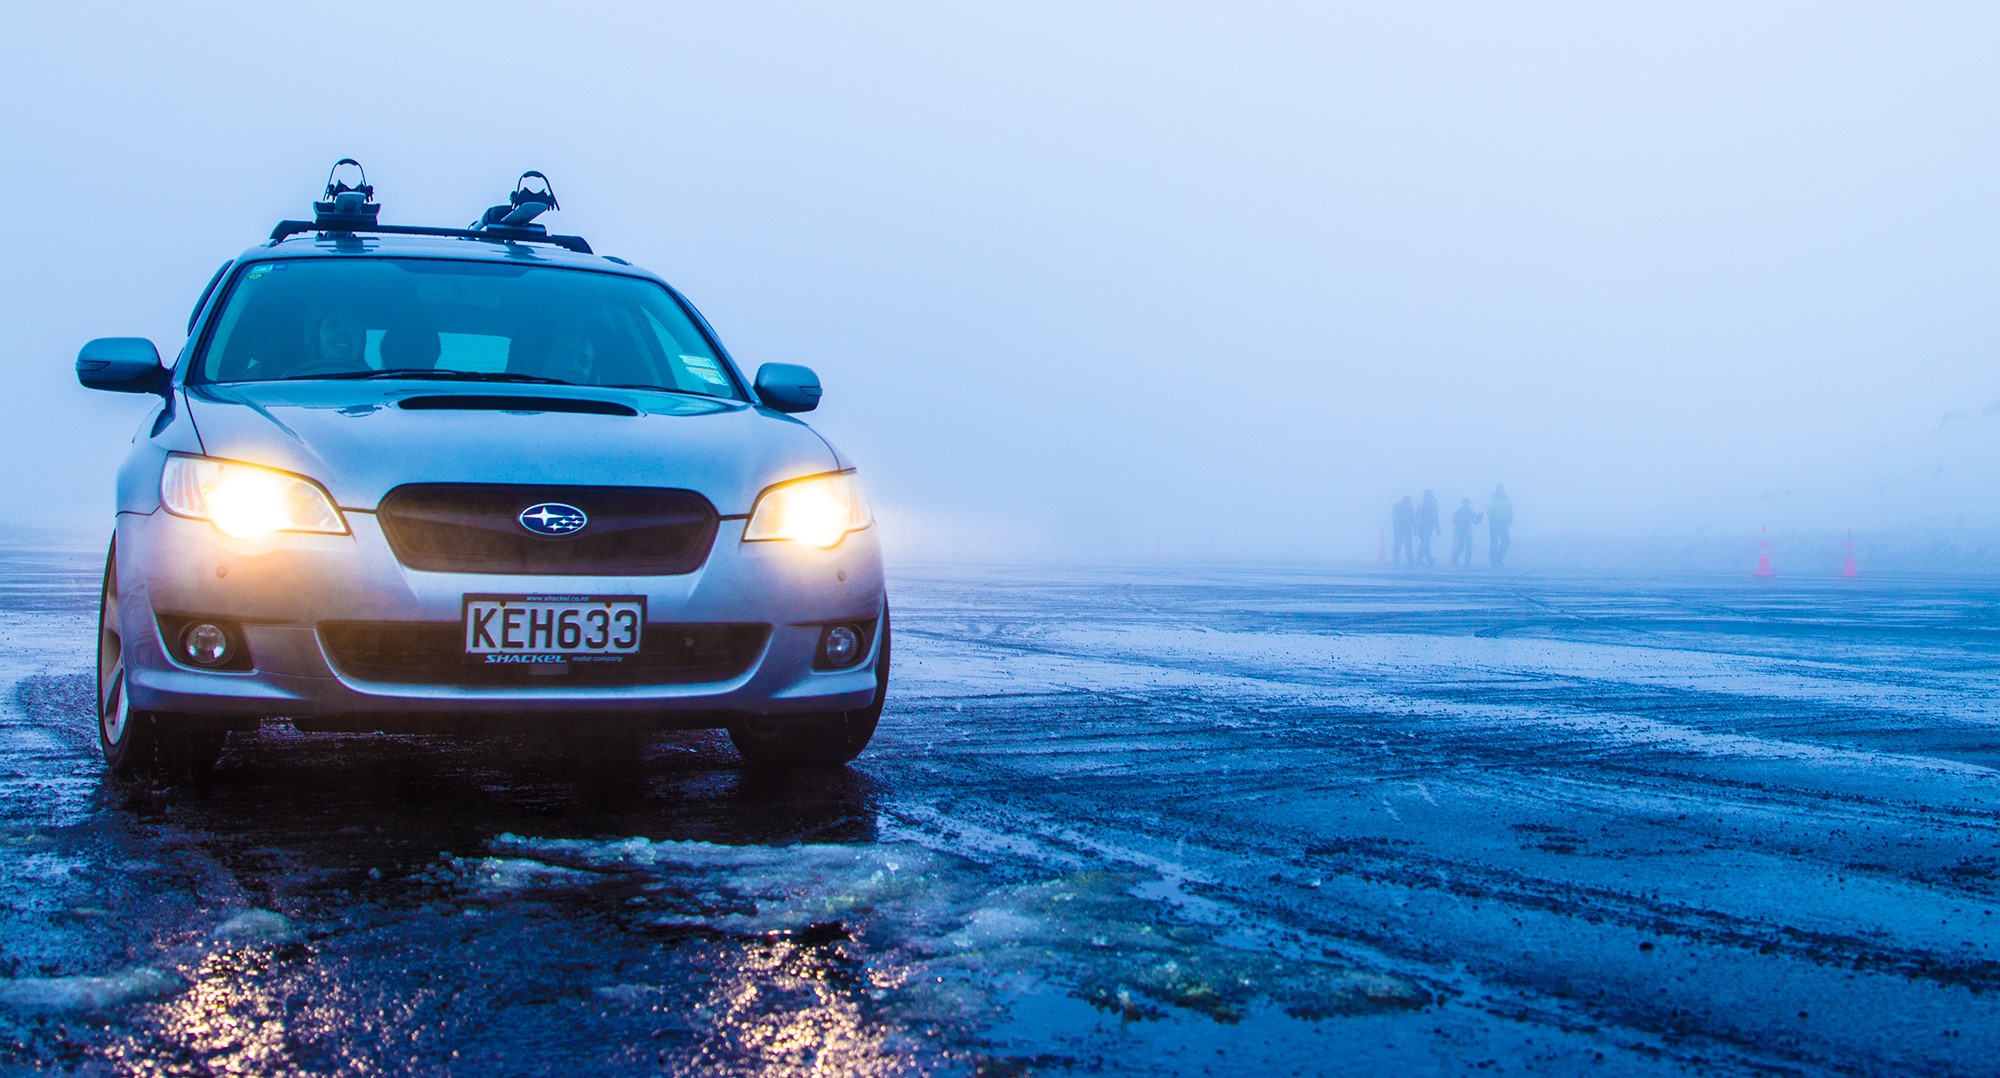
(135, 743)
(829, 739)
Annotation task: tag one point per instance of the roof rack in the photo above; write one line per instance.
(352, 208)
(510, 235)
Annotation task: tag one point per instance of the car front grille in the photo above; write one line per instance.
(476, 528)
(433, 653)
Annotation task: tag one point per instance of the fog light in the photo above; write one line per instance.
(841, 645)
(205, 644)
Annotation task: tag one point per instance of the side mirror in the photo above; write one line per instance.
(788, 387)
(121, 365)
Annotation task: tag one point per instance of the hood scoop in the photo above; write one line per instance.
(495, 402)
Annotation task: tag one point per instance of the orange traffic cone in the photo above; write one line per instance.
(1764, 554)
(1848, 569)
(1381, 548)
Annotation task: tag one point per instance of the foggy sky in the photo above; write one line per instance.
(1134, 279)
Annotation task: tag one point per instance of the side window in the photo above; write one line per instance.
(479, 353)
(476, 352)
(195, 315)
(234, 359)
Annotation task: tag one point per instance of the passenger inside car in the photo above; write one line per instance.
(570, 356)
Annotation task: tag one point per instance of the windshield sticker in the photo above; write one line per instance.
(706, 369)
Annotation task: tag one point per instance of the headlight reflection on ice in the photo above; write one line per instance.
(797, 1009)
(244, 500)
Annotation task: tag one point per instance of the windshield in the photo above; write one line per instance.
(358, 318)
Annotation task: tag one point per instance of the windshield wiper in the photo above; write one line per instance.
(439, 375)
(655, 389)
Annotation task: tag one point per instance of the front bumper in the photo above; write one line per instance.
(280, 588)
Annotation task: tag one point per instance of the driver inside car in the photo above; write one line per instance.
(335, 341)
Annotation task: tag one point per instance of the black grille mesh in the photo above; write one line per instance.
(638, 531)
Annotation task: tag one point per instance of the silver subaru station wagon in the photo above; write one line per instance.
(417, 479)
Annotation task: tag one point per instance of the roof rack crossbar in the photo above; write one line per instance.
(491, 232)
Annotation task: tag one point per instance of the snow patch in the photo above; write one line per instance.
(940, 926)
(740, 889)
(630, 994)
(500, 876)
(254, 927)
(87, 993)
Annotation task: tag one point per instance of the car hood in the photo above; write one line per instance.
(361, 441)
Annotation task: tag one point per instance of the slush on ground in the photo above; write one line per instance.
(1129, 822)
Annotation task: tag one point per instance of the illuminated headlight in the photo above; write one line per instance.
(244, 500)
(820, 510)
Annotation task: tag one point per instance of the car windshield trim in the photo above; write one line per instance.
(730, 386)
(499, 377)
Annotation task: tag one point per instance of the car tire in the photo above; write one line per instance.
(140, 744)
(829, 739)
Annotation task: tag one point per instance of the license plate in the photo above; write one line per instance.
(551, 628)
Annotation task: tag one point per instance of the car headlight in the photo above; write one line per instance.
(244, 500)
(820, 510)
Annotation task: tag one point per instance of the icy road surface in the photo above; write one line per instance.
(1193, 822)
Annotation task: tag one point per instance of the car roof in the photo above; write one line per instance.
(377, 245)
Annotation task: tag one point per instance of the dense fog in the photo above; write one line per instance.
(1139, 281)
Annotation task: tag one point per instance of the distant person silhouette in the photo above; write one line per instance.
(1462, 521)
(1499, 521)
(1427, 526)
(1404, 519)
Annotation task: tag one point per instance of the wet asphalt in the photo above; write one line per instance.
(1171, 820)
